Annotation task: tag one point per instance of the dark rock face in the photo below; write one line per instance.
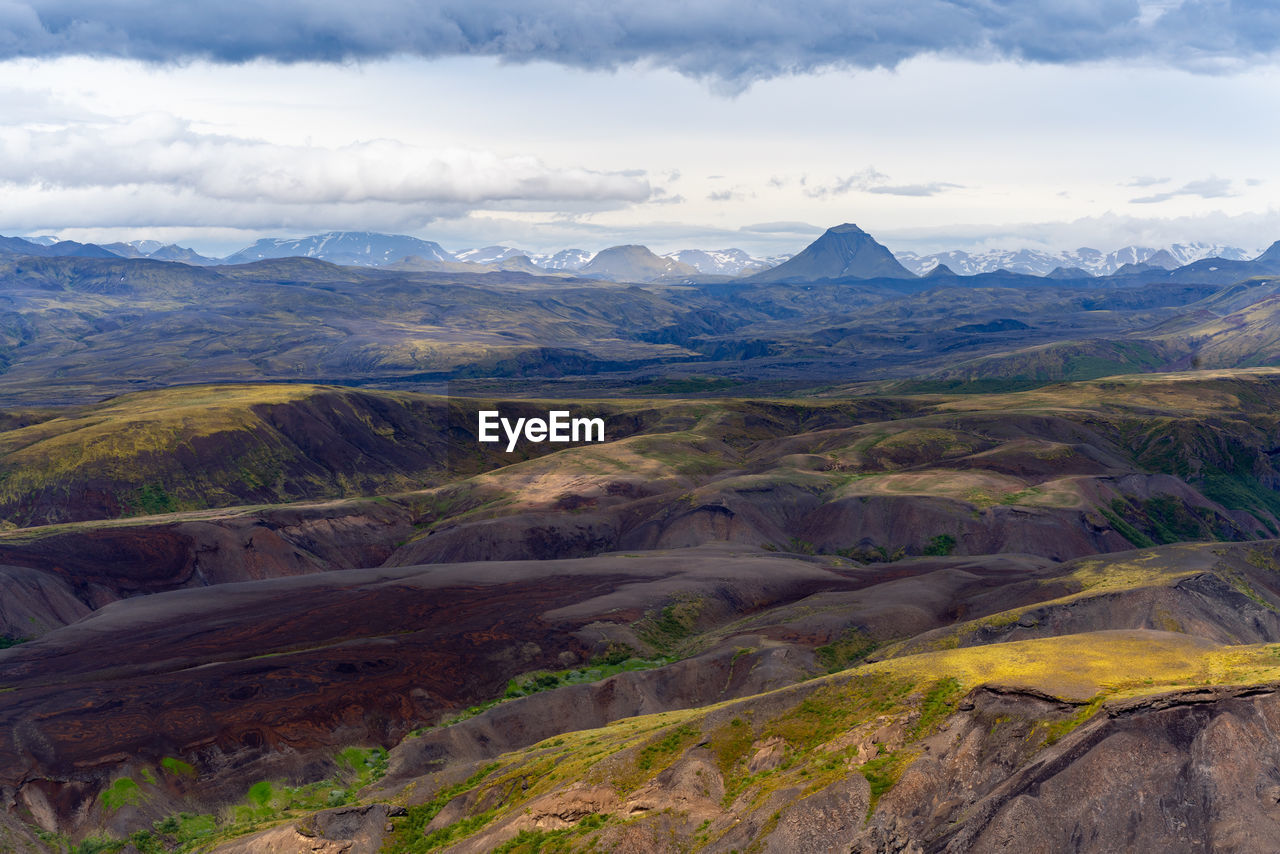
(1185, 772)
(33, 603)
(91, 567)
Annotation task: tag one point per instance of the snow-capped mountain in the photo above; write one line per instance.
(488, 254)
(355, 248)
(634, 263)
(371, 249)
(775, 260)
(720, 262)
(1185, 253)
(566, 259)
(1039, 263)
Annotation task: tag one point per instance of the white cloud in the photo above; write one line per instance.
(1205, 188)
(160, 150)
(1252, 232)
(871, 180)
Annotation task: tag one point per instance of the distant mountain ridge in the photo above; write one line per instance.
(352, 248)
(1036, 262)
(158, 251)
(634, 263)
(59, 249)
(568, 260)
(721, 262)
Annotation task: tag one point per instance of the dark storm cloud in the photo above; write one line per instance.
(730, 41)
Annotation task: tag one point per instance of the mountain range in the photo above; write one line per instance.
(373, 249)
(1041, 263)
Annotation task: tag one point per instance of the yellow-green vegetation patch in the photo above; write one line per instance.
(553, 841)
(1197, 391)
(975, 487)
(658, 754)
(617, 658)
(670, 629)
(1094, 577)
(129, 439)
(730, 743)
(685, 453)
(123, 791)
(1051, 732)
(177, 767)
(147, 420)
(365, 765)
(1061, 492)
(1079, 667)
(849, 648)
(1144, 569)
(265, 803)
(409, 836)
(919, 445)
(836, 706)
(812, 481)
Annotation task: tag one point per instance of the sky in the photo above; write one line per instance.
(932, 124)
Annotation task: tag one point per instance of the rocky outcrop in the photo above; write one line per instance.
(347, 830)
(1188, 771)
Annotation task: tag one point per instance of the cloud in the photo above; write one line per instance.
(661, 236)
(930, 189)
(727, 42)
(1145, 181)
(870, 180)
(1206, 188)
(1249, 231)
(166, 161)
(782, 228)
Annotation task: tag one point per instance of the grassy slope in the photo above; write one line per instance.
(893, 705)
(196, 447)
(191, 448)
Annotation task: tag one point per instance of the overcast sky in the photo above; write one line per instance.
(569, 123)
